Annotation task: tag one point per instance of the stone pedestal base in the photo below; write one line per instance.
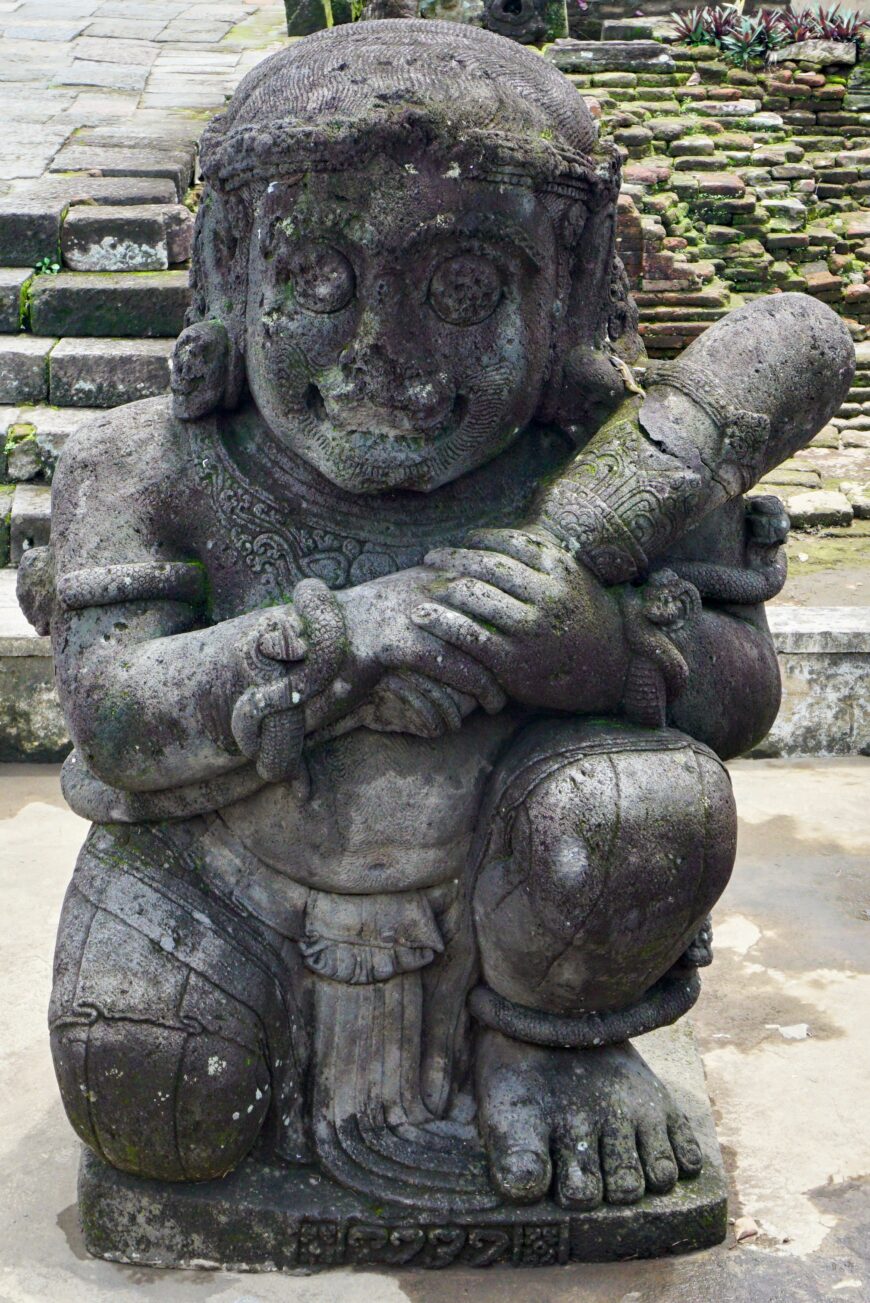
(266, 1217)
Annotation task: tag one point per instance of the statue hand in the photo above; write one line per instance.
(396, 677)
(536, 618)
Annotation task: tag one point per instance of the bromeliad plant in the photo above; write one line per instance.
(747, 40)
(746, 43)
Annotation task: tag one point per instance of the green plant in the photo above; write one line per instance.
(46, 267)
(835, 24)
(745, 43)
(690, 28)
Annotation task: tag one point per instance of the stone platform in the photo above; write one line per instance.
(275, 1218)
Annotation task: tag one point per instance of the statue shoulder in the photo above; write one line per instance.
(138, 443)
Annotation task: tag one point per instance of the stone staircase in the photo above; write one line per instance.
(94, 262)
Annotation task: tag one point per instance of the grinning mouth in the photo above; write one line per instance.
(385, 437)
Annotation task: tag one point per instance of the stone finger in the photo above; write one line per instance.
(503, 572)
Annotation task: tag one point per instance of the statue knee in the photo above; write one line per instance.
(159, 1101)
(162, 1070)
(607, 849)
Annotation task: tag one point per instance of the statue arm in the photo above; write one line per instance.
(752, 390)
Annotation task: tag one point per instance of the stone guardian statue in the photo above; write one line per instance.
(402, 650)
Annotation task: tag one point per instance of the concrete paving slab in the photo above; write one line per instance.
(791, 953)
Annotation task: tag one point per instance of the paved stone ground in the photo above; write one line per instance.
(66, 64)
(782, 1024)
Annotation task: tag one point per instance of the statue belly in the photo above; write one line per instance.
(382, 811)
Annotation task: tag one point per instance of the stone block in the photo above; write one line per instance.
(30, 219)
(818, 508)
(29, 230)
(692, 146)
(824, 659)
(24, 368)
(30, 520)
(7, 493)
(44, 431)
(108, 372)
(818, 53)
(105, 160)
(31, 722)
(108, 76)
(114, 239)
(136, 304)
(610, 56)
(13, 283)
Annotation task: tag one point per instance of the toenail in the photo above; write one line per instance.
(664, 1172)
(524, 1165)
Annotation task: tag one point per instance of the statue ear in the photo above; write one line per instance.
(205, 373)
(597, 335)
(208, 363)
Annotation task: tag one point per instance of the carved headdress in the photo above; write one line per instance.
(498, 112)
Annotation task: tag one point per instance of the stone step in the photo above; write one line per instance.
(89, 372)
(30, 219)
(610, 56)
(30, 519)
(24, 368)
(108, 159)
(31, 722)
(82, 372)
(13, 283)
(33, 438)
(130, 304)
(138, 237)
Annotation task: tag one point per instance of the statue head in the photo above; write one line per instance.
(405, 251)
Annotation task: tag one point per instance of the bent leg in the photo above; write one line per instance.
(168, 1026)
(604, 850)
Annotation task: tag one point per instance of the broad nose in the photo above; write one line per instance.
(385, 369)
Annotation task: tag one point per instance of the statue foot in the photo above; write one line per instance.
(595, 1124)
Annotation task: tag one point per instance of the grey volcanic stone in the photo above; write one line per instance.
(606, 56)
(146, 237)
(258, 1219)
(30, 220)
(452, 630)
(30, 520)
(108, 372)
(818, 53)
(13, 282)
(24, 368)
(141, 304)
(176, 164)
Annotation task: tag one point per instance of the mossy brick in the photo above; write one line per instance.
(691, 145)
(24, 368)
(614, 79)
(668, 128)
(13, 284)
(50, 430)
(131, 304)
(108, 372)
(176, 164)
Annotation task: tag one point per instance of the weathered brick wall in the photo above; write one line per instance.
(738, 183)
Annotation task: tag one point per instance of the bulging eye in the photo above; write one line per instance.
(322, 278)
(465, 290)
